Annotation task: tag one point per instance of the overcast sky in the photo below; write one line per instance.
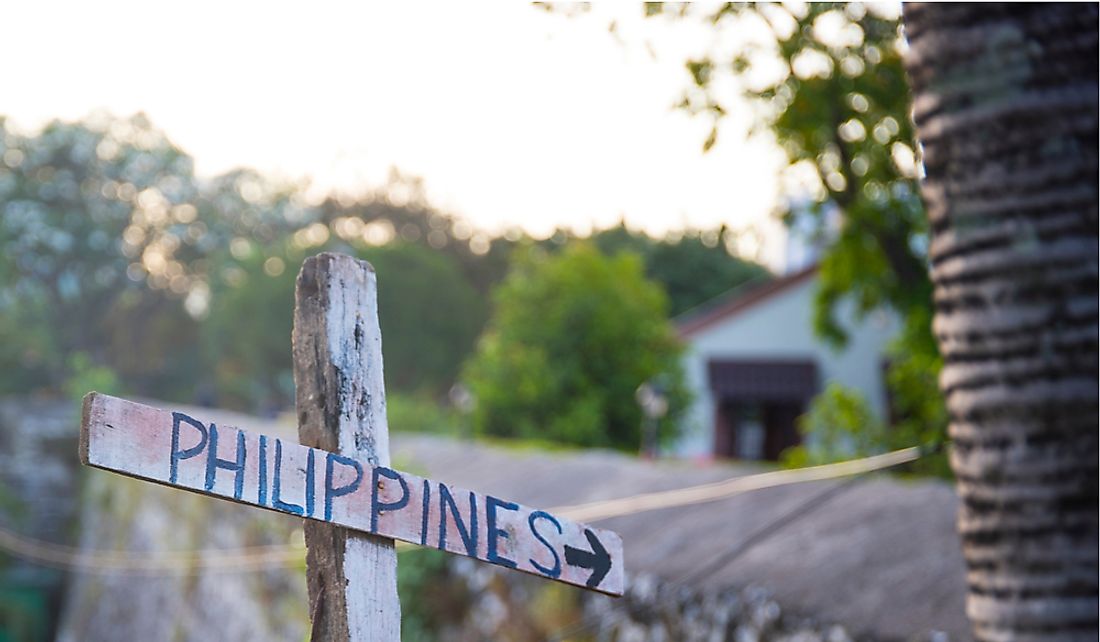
(509, 114)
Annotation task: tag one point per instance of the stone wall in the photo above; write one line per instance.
(39, 476)
(511, 606)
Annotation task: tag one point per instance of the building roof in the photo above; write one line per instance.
(738, 300)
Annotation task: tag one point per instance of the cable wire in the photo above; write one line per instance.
(728, 488)
(804, 508)
(252, 558)
(258, 558)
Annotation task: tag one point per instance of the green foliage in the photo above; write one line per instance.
(85, 376)
(920, 416)
(28, 355)
(246, 333)
(148, 342)
(838, 104)
(839, 109)
(114, 249)
(121, 270)
(429, 316)
(571, 338)
(184, 288)
(431, 595)
(693, 269)
(839, 425)
(419, 413)
(80, 204)
(24, 614)
(429, 313)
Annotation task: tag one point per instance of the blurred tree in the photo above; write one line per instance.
(693, 268)
(246, 330)
(571, 338)
(429, 314)
(433, 597)
(29, 358)
(88, 215)
(85, 377)
(826, 80)
(149, 343)
(399, 211)
(422, 413)
(108, 238)
(1007, 112)
(838, 425)
(114, 250)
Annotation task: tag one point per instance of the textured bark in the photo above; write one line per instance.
(341, 401)
(1005, 102)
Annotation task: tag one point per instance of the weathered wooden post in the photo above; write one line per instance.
(341, 402)
(339, 478)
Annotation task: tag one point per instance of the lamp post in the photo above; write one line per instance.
(463, 400)
(653, 401)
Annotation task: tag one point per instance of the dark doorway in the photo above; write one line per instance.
(758, 404)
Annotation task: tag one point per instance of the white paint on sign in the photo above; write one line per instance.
(179, 450)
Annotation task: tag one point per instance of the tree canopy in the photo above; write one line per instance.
(122, 266)
(430, 316)
(80, 204)
(826, 81)
(693, 268)
(114, 251)
(571, 338)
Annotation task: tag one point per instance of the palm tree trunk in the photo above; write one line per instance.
(1005, 102)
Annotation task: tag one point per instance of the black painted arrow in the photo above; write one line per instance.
(598, 560)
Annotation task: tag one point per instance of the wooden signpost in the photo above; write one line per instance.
(339, 477)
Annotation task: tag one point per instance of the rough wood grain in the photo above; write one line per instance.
(341, 405)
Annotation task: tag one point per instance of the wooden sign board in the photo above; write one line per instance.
(178, 450)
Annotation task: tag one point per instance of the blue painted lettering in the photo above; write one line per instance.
(332, 492)
(177, 454)
(276, 490)
(469, 537)
(491, 506)
(535, 516)
(376, 507)
(213, 462)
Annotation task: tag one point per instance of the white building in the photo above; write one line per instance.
(753, 362)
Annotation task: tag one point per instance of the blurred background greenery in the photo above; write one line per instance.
(122, 270)
(125, 272)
